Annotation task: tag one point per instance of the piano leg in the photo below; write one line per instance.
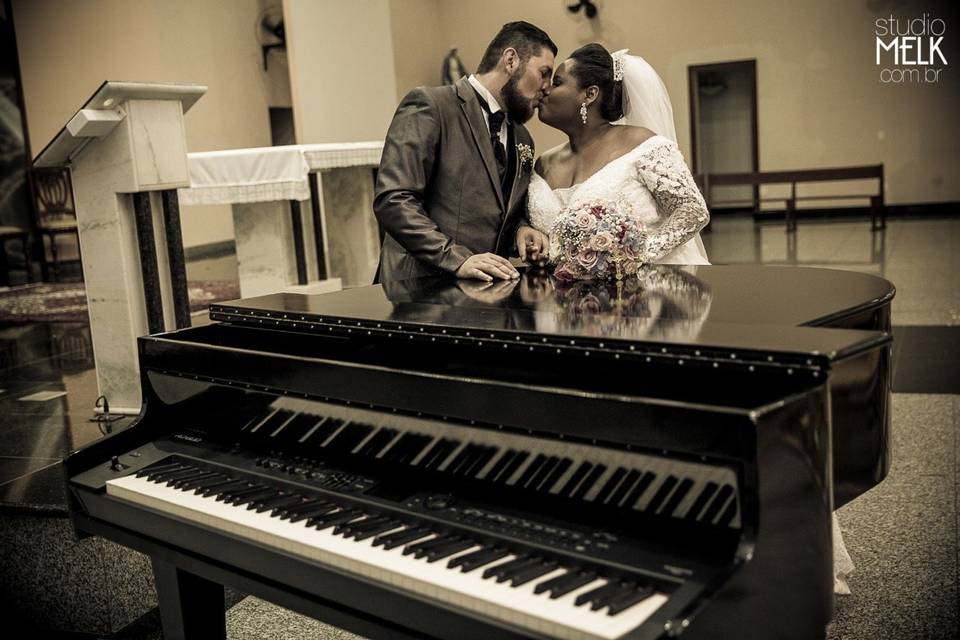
(191, 607)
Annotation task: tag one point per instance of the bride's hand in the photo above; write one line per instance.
(533, 246)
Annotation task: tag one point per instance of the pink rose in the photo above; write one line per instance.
(585, 221)
(588, 259)
(603, 241)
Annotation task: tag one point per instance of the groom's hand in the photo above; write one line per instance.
(532, 246)
(487, 266)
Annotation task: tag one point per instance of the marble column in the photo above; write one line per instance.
(351, 235)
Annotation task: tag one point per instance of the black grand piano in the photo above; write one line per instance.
(436, 458)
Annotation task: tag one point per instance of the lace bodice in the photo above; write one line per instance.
(651, 182)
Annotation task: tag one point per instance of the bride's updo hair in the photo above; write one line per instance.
(595, 67)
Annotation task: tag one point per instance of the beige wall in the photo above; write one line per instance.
(342, 78)
(68, 48)
(820, 102)
(419, 44)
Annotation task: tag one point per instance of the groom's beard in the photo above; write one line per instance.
(519, 109)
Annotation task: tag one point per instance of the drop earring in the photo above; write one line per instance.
(583, 112)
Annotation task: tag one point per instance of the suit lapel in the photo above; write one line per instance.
(473, 112)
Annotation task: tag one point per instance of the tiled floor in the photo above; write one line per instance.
(902, 535)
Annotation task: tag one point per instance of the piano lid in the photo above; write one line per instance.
(689, 305)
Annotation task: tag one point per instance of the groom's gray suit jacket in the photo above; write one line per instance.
(438, 194)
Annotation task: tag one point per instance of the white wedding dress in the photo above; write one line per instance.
(651, 182)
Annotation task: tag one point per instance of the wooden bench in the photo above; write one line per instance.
(878, 217)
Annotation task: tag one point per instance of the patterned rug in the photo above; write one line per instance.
(67, 301)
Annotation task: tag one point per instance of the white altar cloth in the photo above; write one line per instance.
(266, 174)
(238, 176)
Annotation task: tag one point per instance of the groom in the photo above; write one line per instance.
(452, 184)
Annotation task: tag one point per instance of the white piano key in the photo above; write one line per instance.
(450, 587)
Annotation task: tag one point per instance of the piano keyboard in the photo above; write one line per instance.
(508, 585)
(699, 492)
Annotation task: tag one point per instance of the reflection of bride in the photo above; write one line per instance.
(661, 302)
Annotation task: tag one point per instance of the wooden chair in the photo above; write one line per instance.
(54, 214)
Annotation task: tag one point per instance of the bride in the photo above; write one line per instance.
(621, 148)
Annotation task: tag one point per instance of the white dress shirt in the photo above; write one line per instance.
(494, 107)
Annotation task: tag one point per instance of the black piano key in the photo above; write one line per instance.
(627, 600)
(412, 449)
(162, 476)
(566, 583)
(512, 467)
(323, 431)
(602, 592)
(682, 489)
(347, 527)
(406, 449)
(588, 481)
(485, 455)
(332, 520)
(377, 442)
(728, 513)
(624, 487)
(185, 484)
(418, 547)
(607, 490)
(575, 479)
(252, 499)
(369, 532)
(196, 473)
(397, 538)
(443, 449)
(283, 512)
(622, 592)
(259, 417)
(554, 475)
(500, 465)
(477, 559)
(542, 473)
(641, 487)
(463, 456)
(718, 503)
(520, 561)
(220, 489)
(473, 457)
(215, 482)
(531, 470)
(510, 573)
(284, 500)
(447, 550)
(532, 573)
(297, 428)
(705, 494)
(248, 489)
(158, 468)
(349, 437)
(297, 514)
(665, 488)
(267, 428)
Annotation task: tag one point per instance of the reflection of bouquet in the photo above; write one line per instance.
(596, 241)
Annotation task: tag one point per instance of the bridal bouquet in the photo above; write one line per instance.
(597, 241)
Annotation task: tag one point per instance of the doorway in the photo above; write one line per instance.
(723, 127)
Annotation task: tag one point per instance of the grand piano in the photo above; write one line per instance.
(436, 458)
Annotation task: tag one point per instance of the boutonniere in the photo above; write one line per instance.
(525, 155)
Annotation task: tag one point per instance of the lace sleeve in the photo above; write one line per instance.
(680, 204)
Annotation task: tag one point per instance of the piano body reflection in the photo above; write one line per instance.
(520, 459)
